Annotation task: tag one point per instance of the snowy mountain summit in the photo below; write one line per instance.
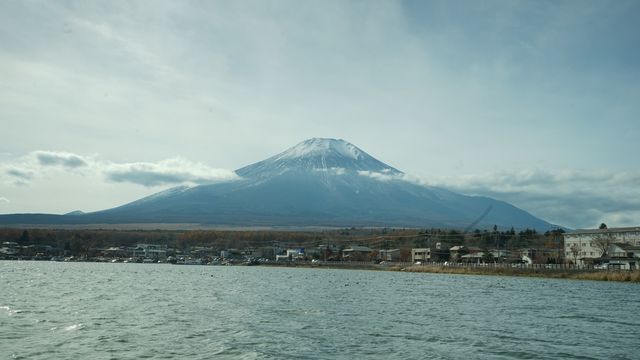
(318, 154)
(322, 147)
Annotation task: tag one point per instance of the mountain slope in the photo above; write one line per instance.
(319, 182)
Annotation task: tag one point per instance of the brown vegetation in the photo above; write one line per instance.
(600, 275)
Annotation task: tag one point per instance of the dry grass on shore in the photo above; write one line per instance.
(599, 275)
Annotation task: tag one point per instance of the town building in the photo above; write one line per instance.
(622, 256)
(585, 246)
(9, 250)
(420, 254)
(116, 252)
(439, 253)
(150, 251)
(389, 255)
(357, 253)
(291, 254)
(458, 252)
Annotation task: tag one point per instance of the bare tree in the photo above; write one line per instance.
(603, 242)
(575, 251)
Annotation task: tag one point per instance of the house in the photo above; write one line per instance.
(439, 253)
(9, 249)
(420, 254)
(150, 251)
(457, 252)
(622, 250)
(499, 254)
(116, 252)
(389, 255)
(621, 256)
(584, 246)
(474, 257)
(291, 254)
(540, 255)
(329, 252)
(357, 253)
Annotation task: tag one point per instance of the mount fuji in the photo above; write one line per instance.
(319, 183)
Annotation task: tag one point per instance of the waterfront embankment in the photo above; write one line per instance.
(555, 272)
(599, 275)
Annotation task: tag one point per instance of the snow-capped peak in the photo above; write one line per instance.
(317, 154)
(320, 147)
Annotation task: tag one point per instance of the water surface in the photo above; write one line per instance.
(130, 311)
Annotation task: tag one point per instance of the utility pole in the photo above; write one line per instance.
(495, 235)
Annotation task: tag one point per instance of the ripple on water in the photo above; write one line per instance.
(73, 327)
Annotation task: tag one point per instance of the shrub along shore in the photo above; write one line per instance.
(599, 275)
(575, 274)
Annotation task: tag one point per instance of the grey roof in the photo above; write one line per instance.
(358, 248)
(601, 231)
(627, 246)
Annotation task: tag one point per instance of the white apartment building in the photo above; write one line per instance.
(580, 246)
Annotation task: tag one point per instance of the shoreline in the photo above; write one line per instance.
(569, 274)
(594, 275)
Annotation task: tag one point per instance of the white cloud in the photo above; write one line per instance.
(60, 182)
(4, 200)
(333, 170)
(389, 176)
(167, 172)
(48, 164)
(381, 176)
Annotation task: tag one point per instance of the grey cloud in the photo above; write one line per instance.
(568, 198)
(149, 177)
(22, 171)
(22, 175)
(167, 172)
(67, 160)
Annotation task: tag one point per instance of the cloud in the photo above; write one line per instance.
(333, 170)
(21, 175)
(23, 170)
(167, 172)
(387, 175)
(381, 176)
(451, 75)
(4, 200)
(568, 197)
(51, 164)
(49, 158)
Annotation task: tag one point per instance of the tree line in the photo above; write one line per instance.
(80, 241)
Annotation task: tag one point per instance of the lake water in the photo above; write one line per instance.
(54, 310)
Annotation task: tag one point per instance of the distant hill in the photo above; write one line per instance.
(318, 182)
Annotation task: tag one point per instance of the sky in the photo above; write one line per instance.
(532, 102)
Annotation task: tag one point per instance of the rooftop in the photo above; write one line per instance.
(600, 231)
